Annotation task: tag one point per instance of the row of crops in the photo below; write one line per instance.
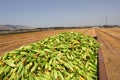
(67, 56)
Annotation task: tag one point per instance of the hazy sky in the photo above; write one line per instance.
(47, 13)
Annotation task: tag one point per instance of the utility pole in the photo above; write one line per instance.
(106, 21)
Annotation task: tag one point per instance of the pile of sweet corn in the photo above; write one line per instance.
(67, 56)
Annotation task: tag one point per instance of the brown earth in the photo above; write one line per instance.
(109, 38)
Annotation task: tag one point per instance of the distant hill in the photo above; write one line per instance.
(14, 27)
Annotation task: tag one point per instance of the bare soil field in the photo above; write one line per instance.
(109, 38)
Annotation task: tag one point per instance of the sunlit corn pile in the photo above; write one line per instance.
(67, 56)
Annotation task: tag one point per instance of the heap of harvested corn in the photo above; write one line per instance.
(67, 56)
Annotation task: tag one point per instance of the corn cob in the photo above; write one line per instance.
(20, 69)
(28, 66)
(34, 67)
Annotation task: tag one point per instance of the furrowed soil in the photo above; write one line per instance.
(109, 54)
